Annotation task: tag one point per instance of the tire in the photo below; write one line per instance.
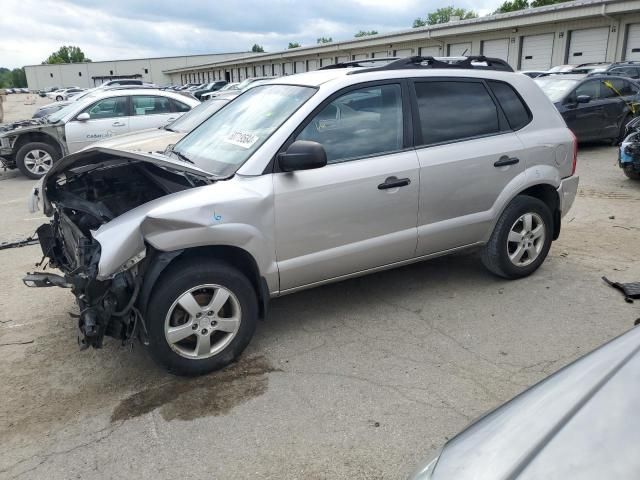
(496, 253)
(631, 173)
(30, 154)
(59, 98)
(203, 280)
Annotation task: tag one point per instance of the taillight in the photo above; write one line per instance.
(575, 153)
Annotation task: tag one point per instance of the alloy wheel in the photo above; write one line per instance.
(526, 239)
(38, 161)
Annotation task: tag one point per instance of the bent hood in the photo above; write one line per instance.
(151, 140)
(22, 125)
(102, 156)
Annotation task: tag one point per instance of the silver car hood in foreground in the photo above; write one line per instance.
(581, 422)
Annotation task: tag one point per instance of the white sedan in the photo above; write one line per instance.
(33, 146)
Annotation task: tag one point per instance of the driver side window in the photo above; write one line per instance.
(360, 123)
(590, 88)
(108, 108)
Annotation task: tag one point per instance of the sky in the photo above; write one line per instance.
(119, 29)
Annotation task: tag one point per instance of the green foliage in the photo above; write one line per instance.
(542, 3)
(293, 45)
(12, 78)
(257, 48)
(325, 40)
(512, 6)
(67, 54)
(442, 15)
(362, 33)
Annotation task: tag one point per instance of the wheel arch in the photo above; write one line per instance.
(29, 137)
(549, 195)
(235, 256)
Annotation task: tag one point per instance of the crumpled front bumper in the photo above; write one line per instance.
(567, 192)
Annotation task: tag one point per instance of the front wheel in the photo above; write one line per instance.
(520, 240)
(35, 159)
(201, 317)
(59, 98)
(631, 173)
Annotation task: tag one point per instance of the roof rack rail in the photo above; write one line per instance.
(592, 63)
(358, 63)
(471, 62)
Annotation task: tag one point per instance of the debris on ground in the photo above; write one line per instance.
(631, 290)
(32, 240)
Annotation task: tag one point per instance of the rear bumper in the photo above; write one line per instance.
(567, 192)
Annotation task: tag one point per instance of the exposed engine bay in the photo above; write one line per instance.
(80, 199)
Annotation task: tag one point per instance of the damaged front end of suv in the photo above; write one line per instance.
(83, 193)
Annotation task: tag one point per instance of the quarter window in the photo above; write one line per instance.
(108, 108)
(516, 111)
(179, 106)
(453, 110)
(360, 123)
(150, 105)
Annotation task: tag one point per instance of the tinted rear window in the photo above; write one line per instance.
(517, 113)
(452, 111)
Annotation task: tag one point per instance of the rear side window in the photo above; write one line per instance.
(516, 111)
(454, 110)
(179, 106)
(150, 105)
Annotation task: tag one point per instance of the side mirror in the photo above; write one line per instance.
(583, 98)
(83, 117)
(302, 155)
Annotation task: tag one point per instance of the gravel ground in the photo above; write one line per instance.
(356, 380)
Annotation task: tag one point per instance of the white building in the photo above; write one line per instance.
(534, 39)
(91, 74)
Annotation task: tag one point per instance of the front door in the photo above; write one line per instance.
(586, 120)
(360, 210)
(108, 117)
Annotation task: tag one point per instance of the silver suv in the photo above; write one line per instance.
(309, 179)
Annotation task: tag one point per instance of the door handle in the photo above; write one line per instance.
(117, 124)
(504, 161)
(171, 119)
(394, 182)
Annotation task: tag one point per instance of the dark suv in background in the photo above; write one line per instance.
(209, 87)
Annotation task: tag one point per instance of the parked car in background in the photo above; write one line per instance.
(35, 145)
(237, 89)
(593, 67)
(625, 69)
(121, 81)
(561, 68)
(43, 92)
(158, 139)
(301, 181)
(595, 108)
(533, 73)
(579, 423)
(629, 152)
(62, 95)
(209, 87)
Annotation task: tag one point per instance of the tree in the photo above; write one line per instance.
(542, 3)
(293, 45)
(512, 6)
(442, 15)
(68, 54)
(257, 48)
(362, 33)
(325, 40)
(12, 78)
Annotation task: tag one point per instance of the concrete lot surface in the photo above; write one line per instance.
(356, 380)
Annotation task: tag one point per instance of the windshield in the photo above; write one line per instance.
(556, 88)
(227, 139)
(196, 116)
(55, 117)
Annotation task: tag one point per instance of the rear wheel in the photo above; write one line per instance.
(520, 240)
(59, 98)
(35, 159)
(201, 317)
(630, 172)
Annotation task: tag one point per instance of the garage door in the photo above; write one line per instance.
(383, 54)
(536, 52)
(430, 52)
(404, 52)
(312, 65)
(300, 67)
(276, 69)
(326, 61)
(288, 68)
(459, 49)
(588, 45)
(361, 56)
(496, 48)
(633, 43)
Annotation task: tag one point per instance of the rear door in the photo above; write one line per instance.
(108, 118)
(151, 111)
(468, 153)
(350, 216)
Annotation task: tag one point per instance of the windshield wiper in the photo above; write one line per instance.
(182, 156)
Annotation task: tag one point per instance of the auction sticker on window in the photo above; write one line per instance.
(241, 139)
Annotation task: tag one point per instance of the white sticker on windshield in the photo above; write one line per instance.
(241, 139)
